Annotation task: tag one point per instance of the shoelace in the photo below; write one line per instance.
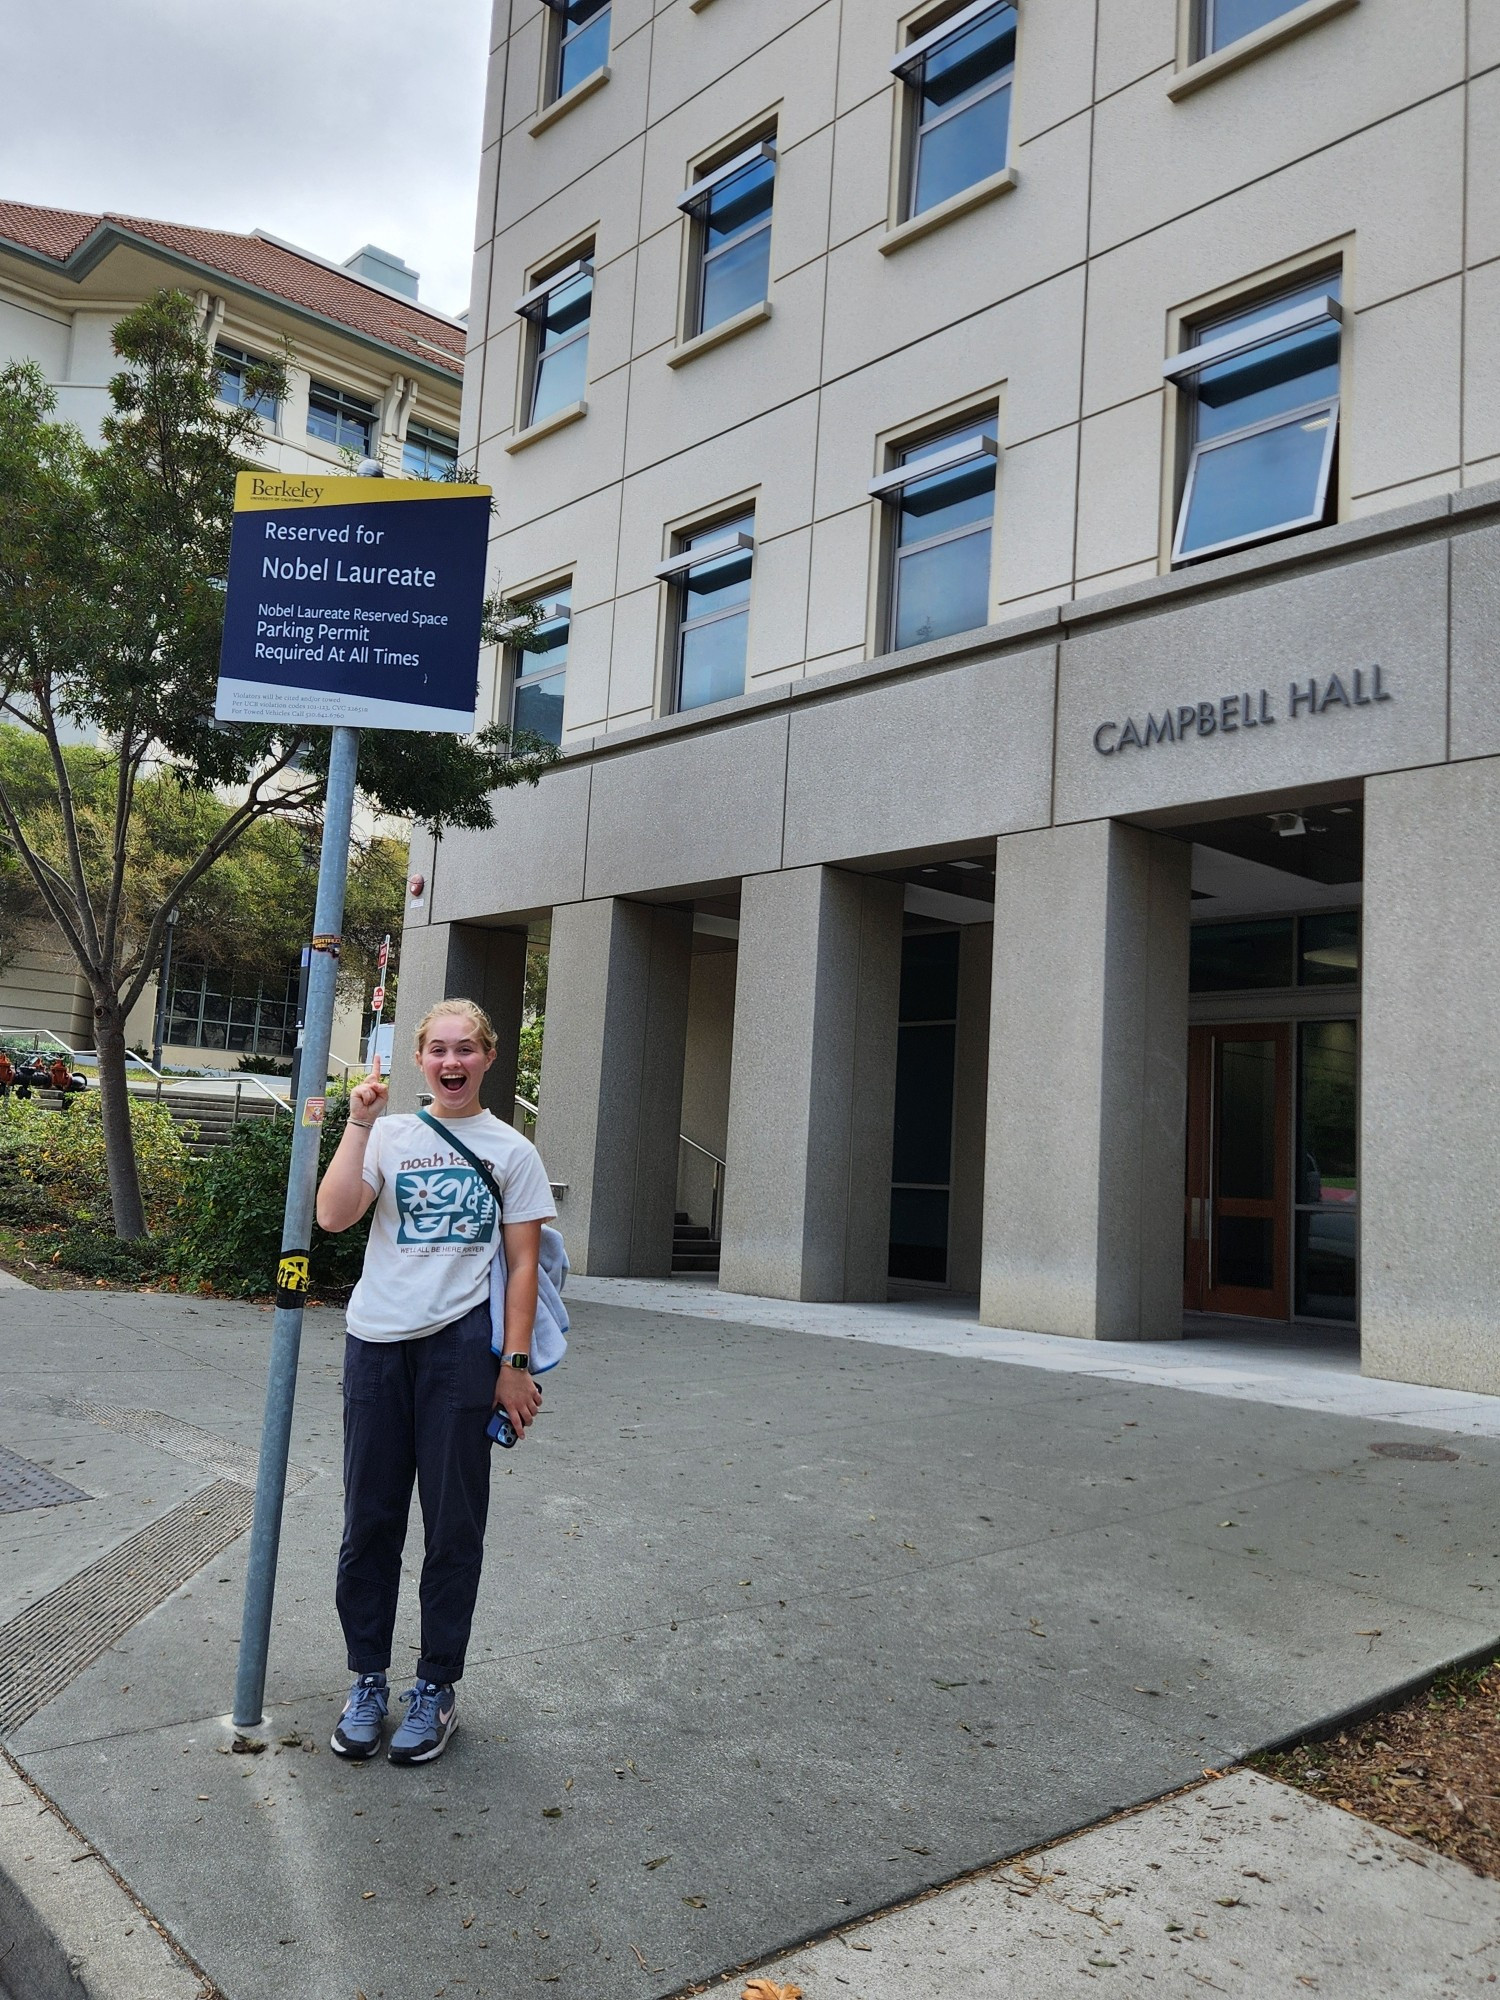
(422, 1705)
(365, 1703)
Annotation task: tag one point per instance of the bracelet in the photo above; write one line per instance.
(360, 1127)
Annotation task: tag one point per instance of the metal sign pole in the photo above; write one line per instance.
(296, 1233)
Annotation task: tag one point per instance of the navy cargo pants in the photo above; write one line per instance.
(415, 1410)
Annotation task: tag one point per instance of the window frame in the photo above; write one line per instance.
(909, 67)
(357, 405)
(242, 359)
(1180, 371)
(697, 200)
(674, 573)
(515, 670)
(532, 308)
(560, 38)
(888, 487)
(429, 436)
(1203, 44)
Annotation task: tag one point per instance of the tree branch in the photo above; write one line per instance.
(39, 871)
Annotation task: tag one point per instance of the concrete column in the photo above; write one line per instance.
(813, 1087)
(971, 1066)
(1087, 1084)
(611, 1097)
(468, 962)
(1430, 1078)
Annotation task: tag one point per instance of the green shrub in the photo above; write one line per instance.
(230, 1233)
(89, 1255)
(23, 1205)
(60, 1156)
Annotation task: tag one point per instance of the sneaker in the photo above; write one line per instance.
(358, 1730)
(431, 1718)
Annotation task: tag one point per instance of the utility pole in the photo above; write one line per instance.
(296, 1232)
(159, 1034)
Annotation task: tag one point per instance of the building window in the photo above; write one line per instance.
(959, 78)
(235, 367)
(217, 1007)
(730, 210)
(1260, 388)
(340, 419)
(557, 313)
(709, 577)
(1221, 22)
(941, 496)
(581, 47)
(1273, 953)
(428, 454)
(922, 1148)
(539, 675)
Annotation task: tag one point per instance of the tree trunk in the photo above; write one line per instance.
(114, 1112)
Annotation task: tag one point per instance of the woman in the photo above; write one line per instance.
(420, 1374)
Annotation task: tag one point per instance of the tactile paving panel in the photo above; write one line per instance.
(24, 1485)
(47, 1646)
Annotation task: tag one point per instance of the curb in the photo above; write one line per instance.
(69, 1930)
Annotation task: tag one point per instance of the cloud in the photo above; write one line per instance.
(331, 123)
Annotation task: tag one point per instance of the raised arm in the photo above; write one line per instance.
(343, 1193)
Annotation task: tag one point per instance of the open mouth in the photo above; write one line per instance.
(453, 1080)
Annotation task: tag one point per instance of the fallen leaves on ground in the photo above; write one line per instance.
(770, 1989)
(1429, 1769)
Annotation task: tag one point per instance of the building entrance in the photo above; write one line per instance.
(1272, 1196)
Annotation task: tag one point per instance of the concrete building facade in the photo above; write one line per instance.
(1017, 494)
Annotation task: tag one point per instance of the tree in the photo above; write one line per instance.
(250, 911)
(112, 561)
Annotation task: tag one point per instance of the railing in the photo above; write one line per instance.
(716, 1186)
(716, 1195)
(202, 1086)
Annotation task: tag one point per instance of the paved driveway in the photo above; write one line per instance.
(775, 1629)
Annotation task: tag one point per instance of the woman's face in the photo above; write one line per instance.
(453, 1062)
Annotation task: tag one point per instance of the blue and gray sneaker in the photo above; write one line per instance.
(431, 1718)
(358, 1730)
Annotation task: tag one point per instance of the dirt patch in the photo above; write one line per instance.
(1429, 1769)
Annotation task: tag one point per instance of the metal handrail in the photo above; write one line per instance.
(716, 1193)
(684, 1140)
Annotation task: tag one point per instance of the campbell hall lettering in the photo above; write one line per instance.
(1232, 713)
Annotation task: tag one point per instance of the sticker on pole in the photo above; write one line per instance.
(354, 602)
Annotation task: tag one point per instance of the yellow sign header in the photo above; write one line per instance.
(265, 492)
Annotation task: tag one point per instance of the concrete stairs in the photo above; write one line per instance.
(693, 1249)
(213, 1115)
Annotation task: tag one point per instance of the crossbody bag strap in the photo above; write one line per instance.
(481, 1166)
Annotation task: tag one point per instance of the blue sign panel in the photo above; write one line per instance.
(354, 602)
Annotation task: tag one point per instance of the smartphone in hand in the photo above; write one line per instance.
(500, 1430)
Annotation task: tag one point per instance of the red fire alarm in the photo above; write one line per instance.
(417, 885)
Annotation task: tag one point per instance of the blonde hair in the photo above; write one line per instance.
(468, 1010)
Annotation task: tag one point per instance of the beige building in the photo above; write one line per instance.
(373, 372)
(1017, 493)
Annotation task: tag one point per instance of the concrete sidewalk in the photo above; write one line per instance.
(776, 1630)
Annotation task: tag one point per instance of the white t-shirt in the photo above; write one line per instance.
(432, 1233)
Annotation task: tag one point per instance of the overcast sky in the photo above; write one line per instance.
(333, 123)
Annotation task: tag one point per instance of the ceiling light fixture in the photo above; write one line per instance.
(1287, 824)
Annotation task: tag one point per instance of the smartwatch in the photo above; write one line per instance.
(517, 1360)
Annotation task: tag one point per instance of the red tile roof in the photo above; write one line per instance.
(58, 233)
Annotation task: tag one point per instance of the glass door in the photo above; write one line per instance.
(1327, 1170)
(1238, 1203)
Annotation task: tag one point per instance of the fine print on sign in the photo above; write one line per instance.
(354, 602)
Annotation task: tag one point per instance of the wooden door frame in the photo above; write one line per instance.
(1201, 1205)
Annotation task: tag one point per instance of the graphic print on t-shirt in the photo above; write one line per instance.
(444, 1205)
